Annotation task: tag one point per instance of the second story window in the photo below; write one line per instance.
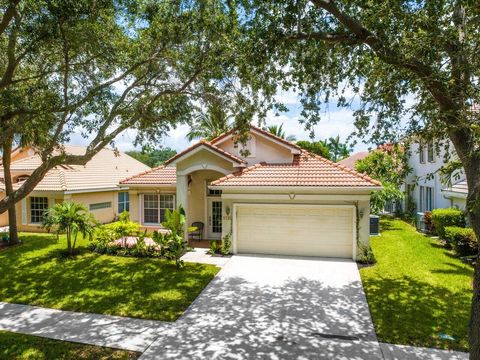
(430, 152)
(421, 151)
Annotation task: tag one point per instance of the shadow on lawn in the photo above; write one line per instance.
(411, 312)
(388, 224)
(145, 288)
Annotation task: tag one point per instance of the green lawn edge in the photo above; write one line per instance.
(15, 346)
(34, 273)
(417, 290)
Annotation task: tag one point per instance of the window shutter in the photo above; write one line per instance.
(24, 212)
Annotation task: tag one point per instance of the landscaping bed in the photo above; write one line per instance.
(419, 293)
(35, 273)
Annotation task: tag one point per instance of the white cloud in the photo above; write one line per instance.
(333, 123)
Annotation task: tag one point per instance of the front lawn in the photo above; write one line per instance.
(34, 273)
(417, 290)
(26, 347)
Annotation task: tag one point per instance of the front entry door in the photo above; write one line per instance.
(214, 219)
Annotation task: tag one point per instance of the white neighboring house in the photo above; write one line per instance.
(424, 186)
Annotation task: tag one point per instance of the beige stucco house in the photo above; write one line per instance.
(95, 185)
(274, 199)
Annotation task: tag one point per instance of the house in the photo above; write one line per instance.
(95, 185)
(352, 159)
(268, 194)
(425, 188)
(457, 194)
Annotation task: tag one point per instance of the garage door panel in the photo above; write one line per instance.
(295, 230)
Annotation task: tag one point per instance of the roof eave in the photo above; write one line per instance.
(281, 187)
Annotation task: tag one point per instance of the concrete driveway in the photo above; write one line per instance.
(262, 307)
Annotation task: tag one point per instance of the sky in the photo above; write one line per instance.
(335, 121)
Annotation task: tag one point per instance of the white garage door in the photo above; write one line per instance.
(301, 230)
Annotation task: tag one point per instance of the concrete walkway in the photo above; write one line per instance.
(265, 307)
(200, 255)
(93, 329)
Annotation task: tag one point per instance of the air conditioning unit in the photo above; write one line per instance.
(374, 225)
(420, 221)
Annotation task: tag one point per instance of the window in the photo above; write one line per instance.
(38, 205)
(154, 207)
(123, 201)
(102, 205)
(426, 198)
(430, 152)
(421, 198)
(421, 150)
(211, 192)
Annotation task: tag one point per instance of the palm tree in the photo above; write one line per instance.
(277, 130)
(211, 124)
(72, 219)
(338, 150)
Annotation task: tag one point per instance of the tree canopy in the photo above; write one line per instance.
(387, 164)
(404, 67)
(98, 68)
(152, 157)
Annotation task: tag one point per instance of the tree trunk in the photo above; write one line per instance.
(12, 216)
(69, 242)
(473, 208)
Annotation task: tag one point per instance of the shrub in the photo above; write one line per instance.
(463, 240)
(214, 247)
(366, 255)
(447, 217)
(226, 244)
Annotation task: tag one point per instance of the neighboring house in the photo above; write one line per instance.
(425, 188)
(275, 199)
(457, 194)
(94, 185)
(352, 159)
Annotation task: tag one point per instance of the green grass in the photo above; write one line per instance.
(34, 273)
(417, 289)
(26, 347)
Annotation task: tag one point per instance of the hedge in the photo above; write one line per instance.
(463, 240)
(447, 217)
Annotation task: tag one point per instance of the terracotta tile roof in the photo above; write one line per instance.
(103, 171)
(350, 161)
(161, 175)
(306, 170)
(210, 146)
(259, 130)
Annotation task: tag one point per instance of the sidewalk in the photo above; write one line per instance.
(93, 329)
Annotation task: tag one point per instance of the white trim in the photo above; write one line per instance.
(121, 187)
(24, 211)
(237, 205)
(204, 147)
(204, 166)
(142, 212)
(454, 194)
(91, 190)
(286, 197)
(288, 188)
